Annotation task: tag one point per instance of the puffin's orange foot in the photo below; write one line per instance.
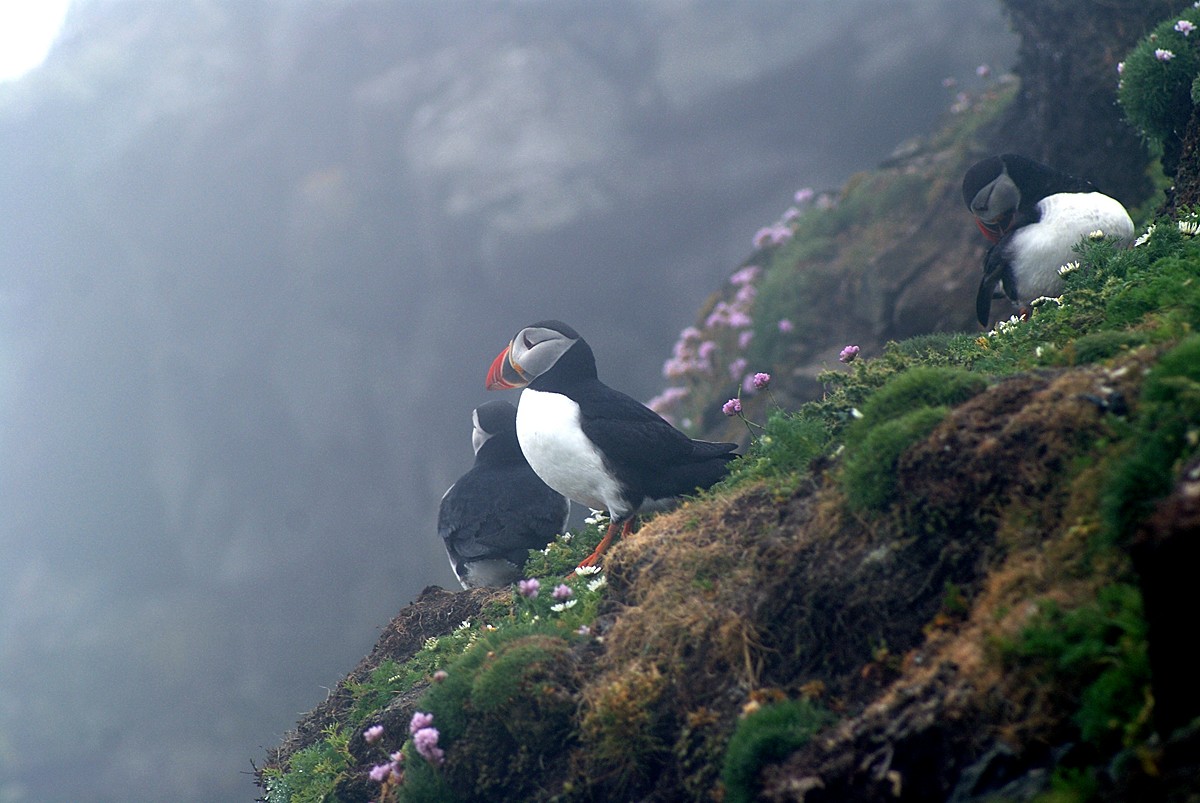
(609, 536)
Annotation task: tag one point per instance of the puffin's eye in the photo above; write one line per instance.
(528, 343)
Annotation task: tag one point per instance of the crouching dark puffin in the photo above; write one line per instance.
(594, 444)
(499, 510)
(1034, 216)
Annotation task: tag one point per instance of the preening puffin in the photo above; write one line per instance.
(594, 444)
(499, 510)
(1034, 216)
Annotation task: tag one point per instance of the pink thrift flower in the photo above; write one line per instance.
(804, 195)
(785, 325)
(738, 319)
(706, 350)
(1184, 27)
(440, 676)
(848, 354)
(737, 368)
(761, 380)
(732, 407)
(746, 294)
(762, 237)
(380, 772)
(746, 275)
(791, 215)
(690, 333)
(744, 339)
(426, 742)
(983, 71)
(373, 734)
(419, 720)
(1163, 55)
(1120, 68)
(529, 588)
(561, 592)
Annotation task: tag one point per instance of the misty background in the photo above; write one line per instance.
(255, 259)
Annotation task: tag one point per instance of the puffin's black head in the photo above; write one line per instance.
(991, 195)
(997, 188)
(535, 350)
(490, 419)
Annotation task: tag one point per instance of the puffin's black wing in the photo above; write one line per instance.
(643, 450)
(500, 513)
(997, 269)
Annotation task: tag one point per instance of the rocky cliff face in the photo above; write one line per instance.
(951, 576)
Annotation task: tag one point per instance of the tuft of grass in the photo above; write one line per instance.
(782, 453)
(313, 772)
(766, 736)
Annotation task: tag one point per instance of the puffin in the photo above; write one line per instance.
(494, 514)
(1034, 216)
(595, 444)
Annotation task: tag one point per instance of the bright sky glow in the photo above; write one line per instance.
(27, 29)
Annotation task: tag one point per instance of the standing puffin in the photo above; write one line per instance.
(594, 444)
(1034, 216)
(499, 510)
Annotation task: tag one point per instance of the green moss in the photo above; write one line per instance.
(921, 386)
(767, 736)
(869, 474)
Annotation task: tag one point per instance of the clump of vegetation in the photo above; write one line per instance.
(1165, 435)
(781, 454)
(313, 772)
(1158, 84)
(765, 736)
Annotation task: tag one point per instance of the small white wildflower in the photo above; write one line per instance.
(1098, 234)
(1145, 237)
(559, 607)
(1190, 227)
(596, 517)
(566, 537)
(1040, 300)
(1070, 267)
(466, 623)
(855, 412)
(585, 571)
(1037, 352)
(597, 584)
(1005, 326)
(431, 643)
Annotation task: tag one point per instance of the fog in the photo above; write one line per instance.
(255, 259)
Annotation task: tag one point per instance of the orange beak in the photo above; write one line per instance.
(504, 375)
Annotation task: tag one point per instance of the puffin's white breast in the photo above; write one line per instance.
(553, 442)
(1038, 250)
